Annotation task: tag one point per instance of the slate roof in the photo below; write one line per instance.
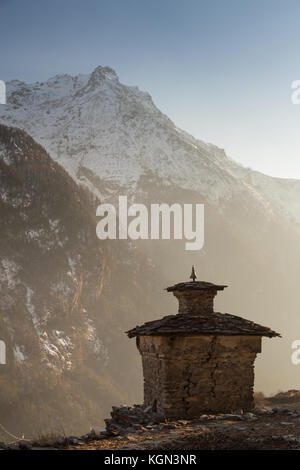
(195, 285)
(204, 324)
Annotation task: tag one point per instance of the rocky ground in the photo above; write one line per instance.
(273, 425)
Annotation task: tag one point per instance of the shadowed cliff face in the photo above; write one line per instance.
(65, 299)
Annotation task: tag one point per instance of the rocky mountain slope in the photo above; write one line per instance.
(65, 299)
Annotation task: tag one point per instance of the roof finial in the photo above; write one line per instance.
(193, 274)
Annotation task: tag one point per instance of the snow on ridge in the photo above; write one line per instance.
(8, 273)
(56, 347)
(118, 134)
(19, 353)
(95, 343)
(31, 309)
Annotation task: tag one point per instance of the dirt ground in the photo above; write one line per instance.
(274, 424)
(272, 430)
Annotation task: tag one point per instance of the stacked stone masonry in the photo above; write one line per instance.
(185, 376)
(195, 302)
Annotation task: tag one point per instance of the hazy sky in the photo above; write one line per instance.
(221, 70)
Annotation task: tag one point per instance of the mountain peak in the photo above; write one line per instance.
(103, 73)
(95, 124)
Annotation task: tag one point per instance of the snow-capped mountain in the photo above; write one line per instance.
(105, 134)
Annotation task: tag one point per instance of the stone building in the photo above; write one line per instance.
(198, 361)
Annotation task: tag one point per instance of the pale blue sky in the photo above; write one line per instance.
(221, 70)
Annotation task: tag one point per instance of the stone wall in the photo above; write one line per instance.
(186, 376)
(195, 302)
